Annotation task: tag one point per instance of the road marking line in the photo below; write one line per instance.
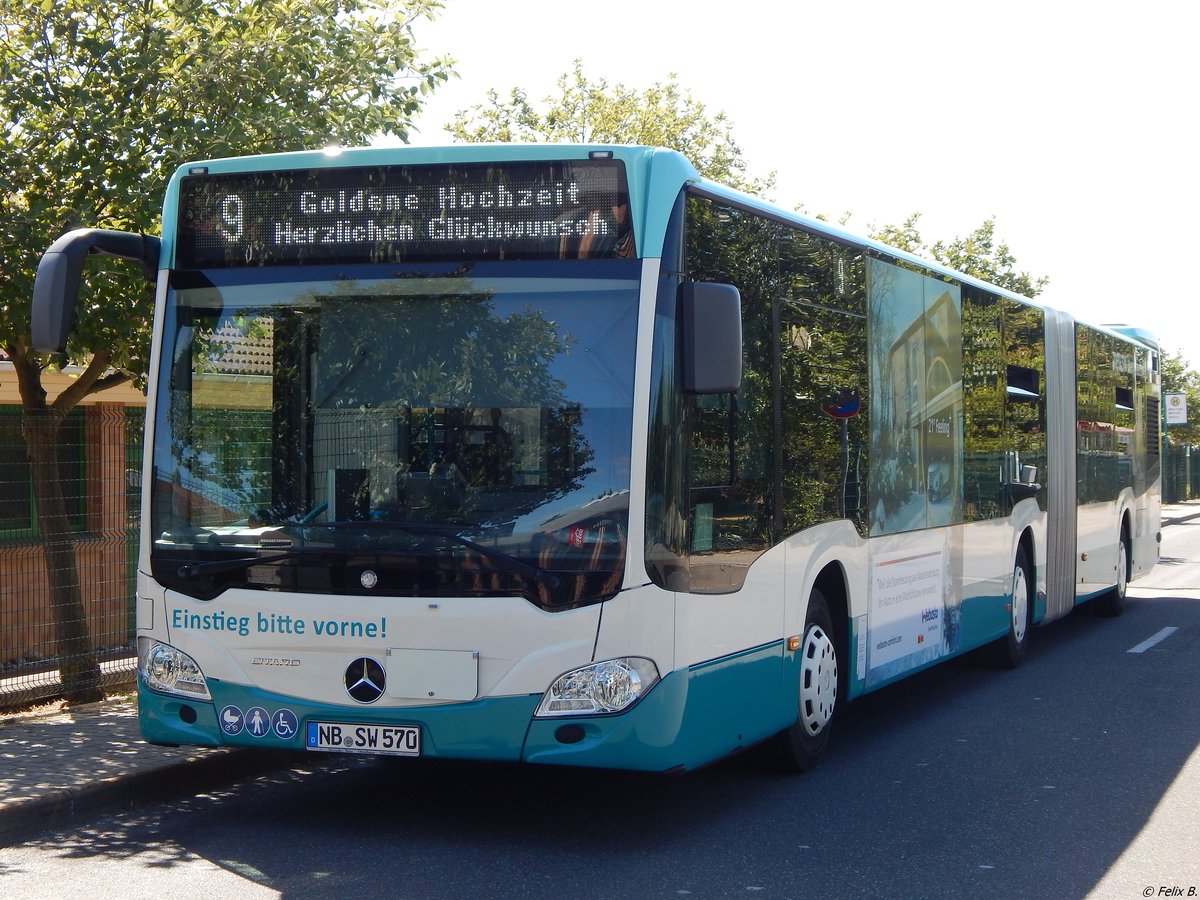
(1152, 640)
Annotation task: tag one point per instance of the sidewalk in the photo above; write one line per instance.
(1177, 513)
(59, 763)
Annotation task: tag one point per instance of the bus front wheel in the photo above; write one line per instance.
(799, 747)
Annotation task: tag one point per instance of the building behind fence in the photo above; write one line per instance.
(101, 461)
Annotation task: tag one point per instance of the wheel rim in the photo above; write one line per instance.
(1122, 569)
(818, 680)
(1020, 604)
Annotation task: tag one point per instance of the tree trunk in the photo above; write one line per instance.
(40, 426)
(77, 660)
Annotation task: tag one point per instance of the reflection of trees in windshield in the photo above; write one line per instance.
(431, 352)
(219, 417)
(432, 408)
(475, 427)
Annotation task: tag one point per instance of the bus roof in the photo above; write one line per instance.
(655, 177)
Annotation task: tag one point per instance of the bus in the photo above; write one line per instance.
(567, 455)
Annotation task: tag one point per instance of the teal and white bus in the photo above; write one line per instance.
(564, 454)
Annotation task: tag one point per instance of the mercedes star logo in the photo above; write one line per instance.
(365, 679)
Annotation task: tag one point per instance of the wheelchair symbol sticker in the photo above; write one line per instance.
(284, 723)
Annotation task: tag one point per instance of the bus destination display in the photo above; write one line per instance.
(529, 210)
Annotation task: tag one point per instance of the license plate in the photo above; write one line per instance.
(353, 737)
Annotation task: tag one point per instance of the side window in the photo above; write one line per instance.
(1124, 410)
(788, 449)
(984, 396)
(1024, 333)
(822, 346)
(1147, 387)
(731, 505)
(1102, 444)
(1004, 374)
(917, 401)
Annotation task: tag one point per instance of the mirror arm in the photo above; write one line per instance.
(56, 285)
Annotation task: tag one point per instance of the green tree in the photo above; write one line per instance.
(1179, 377)
(588, 110)
(979, 254)
(98, 105)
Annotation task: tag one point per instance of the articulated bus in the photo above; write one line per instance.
(565, 454)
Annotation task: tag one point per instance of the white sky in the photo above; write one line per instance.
(1073, 123)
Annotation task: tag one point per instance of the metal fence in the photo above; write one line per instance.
(1181, 473)
(100, 458)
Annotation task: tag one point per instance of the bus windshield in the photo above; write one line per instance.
(456, 432)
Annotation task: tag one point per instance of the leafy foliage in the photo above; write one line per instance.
(1179, 377)
(979, 254)
(588, 110)
(99, 103)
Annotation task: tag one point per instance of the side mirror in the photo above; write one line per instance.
(56, 285)
(711, 318)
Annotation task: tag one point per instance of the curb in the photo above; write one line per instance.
(26, 819)
(1179, 520)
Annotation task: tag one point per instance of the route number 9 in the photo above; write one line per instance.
(231, 222)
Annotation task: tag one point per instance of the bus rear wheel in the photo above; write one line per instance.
(1113, 603)
(799, 747)
(1009, 651)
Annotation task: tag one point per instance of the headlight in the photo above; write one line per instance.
(603, 687)
(163, 668)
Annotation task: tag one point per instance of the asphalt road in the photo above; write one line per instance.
(1077, 774)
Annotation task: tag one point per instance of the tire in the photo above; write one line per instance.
(821, 688)
(1009, 651)
(1113, 603)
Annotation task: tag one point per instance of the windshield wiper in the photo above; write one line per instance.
(192, 571)
(510, 563)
